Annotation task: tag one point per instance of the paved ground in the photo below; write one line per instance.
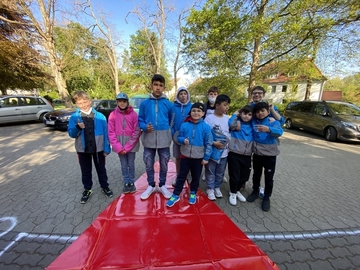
(314, 221)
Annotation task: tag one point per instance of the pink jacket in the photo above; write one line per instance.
(123, 129)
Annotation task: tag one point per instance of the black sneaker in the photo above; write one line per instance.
(132, 188)
(86, 195)
(265, 204)
(107, 191)
(253, 196)
(126, 188)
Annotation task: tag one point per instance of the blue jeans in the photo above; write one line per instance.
(128, 167)
(214, 173)
(149, 160)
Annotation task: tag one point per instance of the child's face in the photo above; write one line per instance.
(122, 103)
(183, 96)
(262, 113)
(196, 114)
(222, 108)
(83, 104)
(212, 97)
(246, 117)
(257, 95)
(157, 88)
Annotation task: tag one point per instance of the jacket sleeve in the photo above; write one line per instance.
(208, 138)
(232, 122)
(171, 115)
(107, 149)
(117, 147)
(73, 131)
(276, 129)
(135, 134)
(141, 118)
(181, 136)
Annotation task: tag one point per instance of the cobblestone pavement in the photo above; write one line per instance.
(313, 222)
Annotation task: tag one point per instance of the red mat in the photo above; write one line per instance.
(135, 234)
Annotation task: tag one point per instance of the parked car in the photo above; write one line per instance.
(332, 119)
(59, 119)
(23, 108)
(136, 100)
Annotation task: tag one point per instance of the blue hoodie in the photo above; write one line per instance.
(181, 112)
(160, 113)
(282, 119)
(241, 141)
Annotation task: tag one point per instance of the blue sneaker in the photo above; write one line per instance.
(192, 198)
(173, 199)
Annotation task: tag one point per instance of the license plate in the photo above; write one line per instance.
(50, 122)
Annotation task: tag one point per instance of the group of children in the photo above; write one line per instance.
(202, 135)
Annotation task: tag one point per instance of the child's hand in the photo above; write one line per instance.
(186, 141)
(123, 152)
(81, 124)
(238, 125)
(149, 128)
(204, 162)
(262, 128)
(271, 119)
(219, 145)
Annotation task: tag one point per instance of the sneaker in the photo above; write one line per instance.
(232, 198)
(165, 192)
(261, 192)
(265, 204)
(146, 194)
(107, 191)
(131, 188)
(85, 195)
(218, 193)
(126, 189)
(240, 197)
(192, 198)
(173, 183)
(252, 197)
(211, 195)
(173, 199)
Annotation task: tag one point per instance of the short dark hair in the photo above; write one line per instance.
(260, 105)
(258, 87)
(222, 98)
(213, 89)
(246, 109)
(158, 78)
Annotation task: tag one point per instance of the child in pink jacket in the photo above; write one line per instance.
(124, 136)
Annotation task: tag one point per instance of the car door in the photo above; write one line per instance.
(10, 111)
(319, 118)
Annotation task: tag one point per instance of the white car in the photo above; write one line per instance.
(23, 108)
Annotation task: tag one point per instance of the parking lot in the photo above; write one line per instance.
(313, 222)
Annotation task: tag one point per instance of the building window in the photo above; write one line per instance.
(273, 89)
(284, 88)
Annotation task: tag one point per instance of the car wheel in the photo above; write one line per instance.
(331, 134)
(289, 124)
(41, 118)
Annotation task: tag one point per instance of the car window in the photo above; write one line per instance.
(320, 109)
(113, 104)
(344, 109)
(28, 101)
(40, 101)
(135, 102)
(305, 107)
(104, 104)
(9, 102)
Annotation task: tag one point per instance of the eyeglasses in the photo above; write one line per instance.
(257, 93)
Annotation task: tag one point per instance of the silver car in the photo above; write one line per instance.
(23, 108)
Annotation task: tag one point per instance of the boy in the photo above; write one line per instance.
(265, 151)
(196, 140)
(156, 116)
(182, 106)
(215, 169)
(240, 151)
(89, 129)
(212, 93)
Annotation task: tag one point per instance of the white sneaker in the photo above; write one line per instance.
(240, 197)
(218, 193)
(211, 195)
(225, 179)
(167, 194)
(146, 194)
(232, 198)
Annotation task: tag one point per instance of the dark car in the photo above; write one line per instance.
(59, 119)
(332, 119)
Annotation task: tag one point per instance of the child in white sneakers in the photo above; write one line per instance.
(196, 140)
(215, 169)
(240, 151)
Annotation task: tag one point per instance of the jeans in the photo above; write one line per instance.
(149, 160)
(85, 161)
(195, 167)
(269, 164)
(214, 173)
(127, 163)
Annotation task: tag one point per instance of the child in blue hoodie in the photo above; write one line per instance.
(196, 144)
(266, 149)
(240, 151)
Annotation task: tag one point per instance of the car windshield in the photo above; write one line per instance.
(345, 109)
(94, 103)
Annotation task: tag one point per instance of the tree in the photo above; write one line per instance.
(21, 66)
(240, 37)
